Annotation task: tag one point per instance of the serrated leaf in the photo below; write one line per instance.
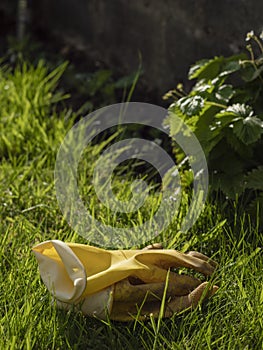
(234, 116)
(225, 93)
(240, 110)
(206, 128)
(223, 119)
(254, 179)
(209, 145)
(238, 146)
(191, 105)
(231, 186)
(203, 87)
(195, 69)
(230, 67)
(248, 130)
(206, 69)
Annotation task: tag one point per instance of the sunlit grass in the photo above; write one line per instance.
(29, 214)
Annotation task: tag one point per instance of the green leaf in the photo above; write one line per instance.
(211, 144)
(203, 88)
(238, 146)
(238, 117)
(206, 69)
(240, 110)
(225, 93)
(254, 179)
(257, 73)
(224, 119)
(196, 68)
(248, 130)
(231, 186)
(206, 127)
(228, 163)
(251, 72)
(191, 105)
(231, 67)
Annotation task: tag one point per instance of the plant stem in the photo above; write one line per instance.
(210, 103)
(258, 42)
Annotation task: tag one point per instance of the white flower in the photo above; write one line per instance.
(250, 35)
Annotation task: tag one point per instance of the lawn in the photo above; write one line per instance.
(33, 122)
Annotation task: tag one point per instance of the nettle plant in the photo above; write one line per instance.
(225, 111)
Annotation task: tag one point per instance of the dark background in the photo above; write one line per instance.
(166, 37)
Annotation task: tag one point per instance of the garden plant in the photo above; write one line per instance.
(225, 110)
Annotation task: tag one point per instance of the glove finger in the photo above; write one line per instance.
(177, 285)
(153, 246)
(191, 300)
(202, 257)
(127, 311)
(198, 264)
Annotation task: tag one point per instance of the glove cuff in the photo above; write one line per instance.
(98, 304)
(61, 270)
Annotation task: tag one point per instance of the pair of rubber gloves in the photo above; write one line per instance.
(119, 283)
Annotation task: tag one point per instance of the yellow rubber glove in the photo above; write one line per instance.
(117, 282)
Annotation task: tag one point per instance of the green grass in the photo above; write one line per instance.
(30, 133)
